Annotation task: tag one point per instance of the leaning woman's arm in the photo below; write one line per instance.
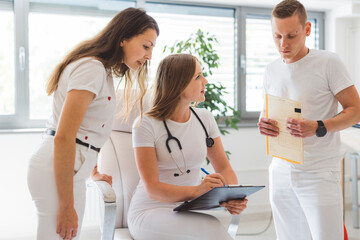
(75, 107)
(218, 159)
(147, 165)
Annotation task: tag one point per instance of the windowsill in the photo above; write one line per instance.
(242, 124)
(247, 123)
(22, 130)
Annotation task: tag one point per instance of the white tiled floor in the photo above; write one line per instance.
(250, 225)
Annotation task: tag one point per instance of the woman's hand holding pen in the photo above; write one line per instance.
(211, 181)
(235, 207)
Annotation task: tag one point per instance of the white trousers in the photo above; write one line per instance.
(165, 224)
(41, 183)
(306, 205)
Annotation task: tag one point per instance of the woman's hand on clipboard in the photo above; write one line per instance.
(235, 207)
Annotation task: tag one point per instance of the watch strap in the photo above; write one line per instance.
(320, 123)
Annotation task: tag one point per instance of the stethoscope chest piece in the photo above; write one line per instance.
(209, 142)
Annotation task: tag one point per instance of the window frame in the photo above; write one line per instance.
(21, 8)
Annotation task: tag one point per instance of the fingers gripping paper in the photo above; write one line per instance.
(284, 146)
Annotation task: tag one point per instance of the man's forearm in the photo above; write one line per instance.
(348, 117)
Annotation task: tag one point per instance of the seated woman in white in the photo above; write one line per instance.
(171, 142)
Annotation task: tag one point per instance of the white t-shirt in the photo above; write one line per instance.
(313, 80)
(87, 74)
(152, 133)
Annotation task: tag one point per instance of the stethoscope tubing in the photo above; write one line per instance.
(209, 143)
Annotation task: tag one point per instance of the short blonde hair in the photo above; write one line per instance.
(289, 8)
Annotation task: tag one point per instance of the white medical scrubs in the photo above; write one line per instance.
(84, 74)
(306, 199)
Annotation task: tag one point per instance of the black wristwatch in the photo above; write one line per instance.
(321, 130)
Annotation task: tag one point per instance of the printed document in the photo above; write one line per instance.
(284, 146)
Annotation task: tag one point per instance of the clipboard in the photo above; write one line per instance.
(215, 196)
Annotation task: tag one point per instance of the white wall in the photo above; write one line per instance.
(250, 162)
(248, 158)
(343, 37)
(18, 214)
(354, 50)
(16, 208)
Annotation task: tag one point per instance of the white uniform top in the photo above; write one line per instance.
(87, 74)
(152, 133)
(313, 80)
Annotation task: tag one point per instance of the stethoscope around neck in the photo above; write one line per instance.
(209, 143)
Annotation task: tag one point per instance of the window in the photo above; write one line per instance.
(259, 51)
(38, 33)
(177, 22)
(46, 51)
(7, 69)
(46, 30)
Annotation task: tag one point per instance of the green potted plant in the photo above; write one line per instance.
(200, 45)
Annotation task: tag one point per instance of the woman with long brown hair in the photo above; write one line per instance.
(171, 142)
(81, 121)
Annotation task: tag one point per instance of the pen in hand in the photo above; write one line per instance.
(207, 173)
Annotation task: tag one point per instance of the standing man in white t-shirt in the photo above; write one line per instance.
(306, 199)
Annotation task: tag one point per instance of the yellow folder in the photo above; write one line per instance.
(284, 146)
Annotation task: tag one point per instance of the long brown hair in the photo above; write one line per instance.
(172, 77)
(288, 8)
(105, 47)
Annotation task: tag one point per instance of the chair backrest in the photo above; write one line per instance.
(117, 160)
